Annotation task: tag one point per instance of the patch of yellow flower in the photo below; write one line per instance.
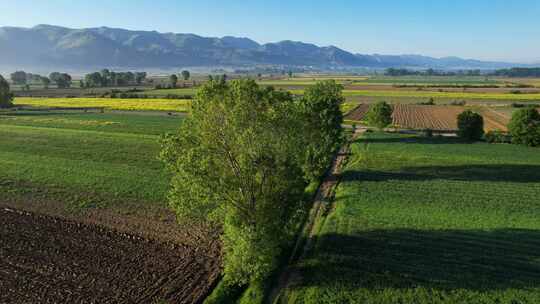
(132, 104)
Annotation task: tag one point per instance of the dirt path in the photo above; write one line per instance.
(320, 208)
(51, 260)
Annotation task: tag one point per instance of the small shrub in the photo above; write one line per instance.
(470, 125)
(496, 137)
(458, 103)
(430, 102)
(427, 133)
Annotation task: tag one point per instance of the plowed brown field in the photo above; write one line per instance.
(51, 260)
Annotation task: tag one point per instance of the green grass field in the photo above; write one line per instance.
(429, 221)
(83, 160)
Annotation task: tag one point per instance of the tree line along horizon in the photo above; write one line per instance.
(103, 78)
(108, 78)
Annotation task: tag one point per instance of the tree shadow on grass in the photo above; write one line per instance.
(40, 113)
(491, 173)
(448, 260)
(388, 139)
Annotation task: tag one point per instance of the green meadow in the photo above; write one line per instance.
(418, 220)
(83, 159)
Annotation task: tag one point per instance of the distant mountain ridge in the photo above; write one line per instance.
(48, 45)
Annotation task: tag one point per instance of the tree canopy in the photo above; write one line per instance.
(525, 127)
(62, 80)
(379, 115)
(185, 75)
(18, 77)
(470, 125)
(173, 79)
(320, 106)
(5, 94)
(239, 163)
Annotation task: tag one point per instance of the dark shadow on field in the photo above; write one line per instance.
(42, 113)
(436, 140)
(491, 173)
(448, 259)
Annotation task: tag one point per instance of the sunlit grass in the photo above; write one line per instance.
(420, 220)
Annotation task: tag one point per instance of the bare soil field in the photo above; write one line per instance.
(426, 117)
(438, 118)
(46, 259)
(358, 113)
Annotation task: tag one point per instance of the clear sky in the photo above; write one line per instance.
(483, 29)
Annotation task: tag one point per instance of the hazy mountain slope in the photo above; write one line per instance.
(46, 45)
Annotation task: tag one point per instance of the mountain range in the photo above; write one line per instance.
(55, 46)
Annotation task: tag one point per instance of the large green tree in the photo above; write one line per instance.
(173, 79)
(237, 163)
(19, 77)
(379, 115)
(525, 127)
(470, 125)
(45, 81)
(62, 80)
(6, 97)
(186, 74)
(323, 118)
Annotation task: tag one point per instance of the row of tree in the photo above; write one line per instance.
(62, 80)
(6, 97)
(518, 72)
(524, 127)
(430, 72)
(173, 79)
(108, 78)
(242, 160)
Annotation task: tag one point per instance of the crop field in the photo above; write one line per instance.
(98, 179)
(429, 94)
(431, 80)
(108, 103)
(69, 151)
(419, 220)
(439, 118)
(529, 81)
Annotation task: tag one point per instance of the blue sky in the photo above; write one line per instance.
(483, 29)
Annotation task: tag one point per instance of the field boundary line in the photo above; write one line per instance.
(321, 205)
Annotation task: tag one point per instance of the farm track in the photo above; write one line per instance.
(46, 259)
(321, 206)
